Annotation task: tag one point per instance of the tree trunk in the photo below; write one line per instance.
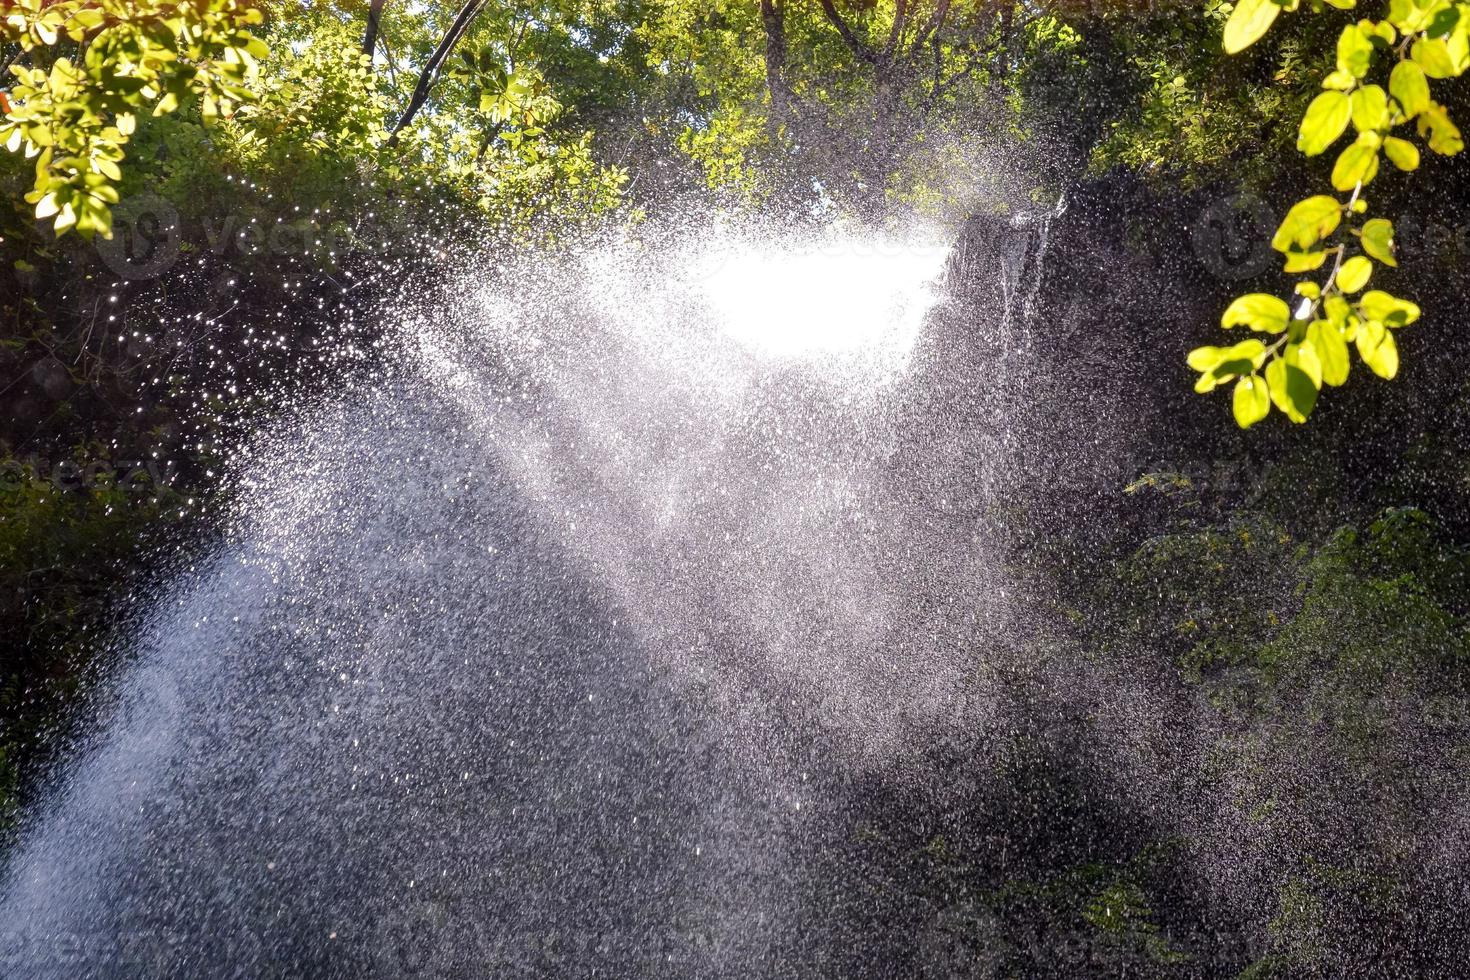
(773, 17)
(375, 18)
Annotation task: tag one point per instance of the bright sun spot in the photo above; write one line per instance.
(845, 296)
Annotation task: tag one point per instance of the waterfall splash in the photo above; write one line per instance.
(577, 644)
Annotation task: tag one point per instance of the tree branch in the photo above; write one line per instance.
(859, 48)
(900, 21)
(430, 72)
(931, 26)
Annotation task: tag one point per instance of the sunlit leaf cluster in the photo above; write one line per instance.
(1417, 41)
(88, 68)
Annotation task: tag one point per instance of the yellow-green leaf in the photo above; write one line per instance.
(1307, 223)
(1355, 165)
(1444, 135)
(1405, 155)
(1251, 402)
(1248, 22)
(1259, 311)
(1324, 122)
(1370, 108)
(1291, 390)
(1377, 238)
(1386, 309)
(1354, 51)
(1304, 356)
(1304, 261)
(1433, 55)
(1408, 85)
(1331, 350)
(1354, 273)
(1378, 349)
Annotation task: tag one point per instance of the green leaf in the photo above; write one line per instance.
(1354, 51)
(1291, 389)
(1378, 350)
(1408, 85)
(1251, 402)
(1304, 356)
(1304, 261)
(1388, 310)
(1444, 135)
(1377, 238)
(1370, 109)
(1248, 22)
(1207, 383)
(1259, 311)
(1405, 155)
(1307, 223)
(1408, 16)
(1324, 122)
(1239, 358)
(1354, 273)
(1205, 358)
(1355, 165)
(1433, 55)
(1332, 351)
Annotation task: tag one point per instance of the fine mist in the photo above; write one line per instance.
(592, 638)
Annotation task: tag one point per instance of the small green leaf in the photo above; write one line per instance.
(1304, 356)
(1206, 358)
(1241, 358)
(1331, 350)
(1248, 22)
(1370, 109)
(1354, 51)
(1444, 135)
(1251, 402)
(1433, 55)
(1408, 85)
(1377, 238)
(1354, 274)
(1378, 350)
(1388, 310)
(1355, 165)
(1405, 155)
(1307, 223)
(1324, 122)
(1291, 389)
(1259, 311)
(1304, 261)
